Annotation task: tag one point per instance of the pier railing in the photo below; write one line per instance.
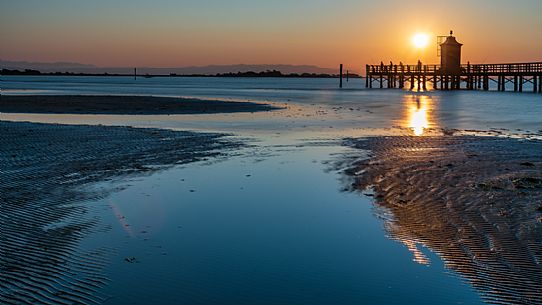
(535, 67)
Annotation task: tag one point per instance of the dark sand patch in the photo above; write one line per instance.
(476, 201)
(142, 105)
(46, 171)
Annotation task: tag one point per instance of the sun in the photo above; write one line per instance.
(420, 40)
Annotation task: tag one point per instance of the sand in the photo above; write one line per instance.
(46, 171)
(476, 201)
(141, 105)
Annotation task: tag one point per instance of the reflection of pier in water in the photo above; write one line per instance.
(472, 200)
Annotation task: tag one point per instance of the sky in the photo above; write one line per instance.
(175, 33)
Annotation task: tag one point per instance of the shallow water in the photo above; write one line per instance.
(272, 225)
(324, 105)
(271, 231)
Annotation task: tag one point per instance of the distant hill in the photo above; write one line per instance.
(203, 70)
(49, 67)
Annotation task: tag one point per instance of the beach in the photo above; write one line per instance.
(143, 105)
(47, 174)
(270, 153)
(476, 201)
(268, 192)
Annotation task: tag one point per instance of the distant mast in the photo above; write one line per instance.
(135, 73)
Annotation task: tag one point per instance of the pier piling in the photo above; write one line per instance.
(367, 76)
(341, 76)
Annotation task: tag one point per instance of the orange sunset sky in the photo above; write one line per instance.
(317, 32)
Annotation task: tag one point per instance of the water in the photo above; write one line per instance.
(283, 235)
(271, 225)
(359, 108)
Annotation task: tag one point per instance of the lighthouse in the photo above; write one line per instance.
(450, 59)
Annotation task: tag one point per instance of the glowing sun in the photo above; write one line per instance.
(420, 40)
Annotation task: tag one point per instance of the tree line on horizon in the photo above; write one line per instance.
(268, 73)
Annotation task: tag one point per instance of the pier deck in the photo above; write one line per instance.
(471, 76)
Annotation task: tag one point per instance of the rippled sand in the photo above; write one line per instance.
(476, 201)
(45, 170)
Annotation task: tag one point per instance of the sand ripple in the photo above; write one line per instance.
(45, 171)
(476, 201)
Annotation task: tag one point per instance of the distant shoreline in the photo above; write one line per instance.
(122, 105)
(249, 74)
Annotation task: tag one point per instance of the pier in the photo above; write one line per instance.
(452, 75)
(470, 77)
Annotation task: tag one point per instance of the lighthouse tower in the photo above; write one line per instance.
(450, 59)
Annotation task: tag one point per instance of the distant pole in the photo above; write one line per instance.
(135, 73)
(347, 75)
(366, 76)
(341, 76)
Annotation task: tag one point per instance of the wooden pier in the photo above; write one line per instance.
(452, 75)
(470, 77)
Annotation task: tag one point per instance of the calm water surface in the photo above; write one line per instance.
(324, 105)
(271, 224)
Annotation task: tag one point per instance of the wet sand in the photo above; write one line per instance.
(476, 201)
(97, 104)
(47, 172)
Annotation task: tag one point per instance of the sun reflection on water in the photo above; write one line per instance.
(418, 114)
